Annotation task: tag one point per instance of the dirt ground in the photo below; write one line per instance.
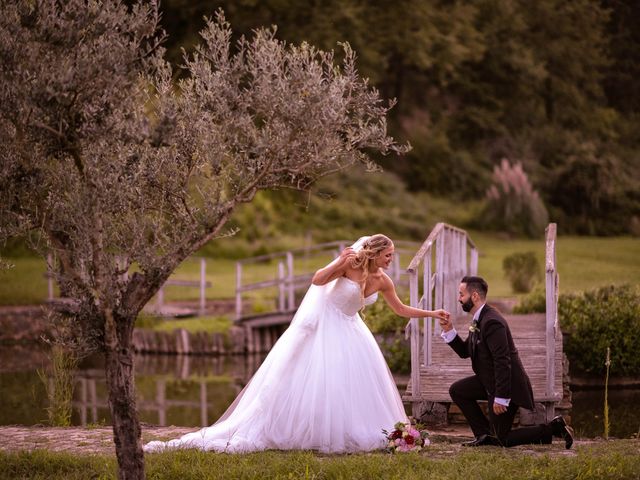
(99, 440)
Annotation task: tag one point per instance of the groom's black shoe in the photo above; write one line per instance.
(481, 441)
(559, 428)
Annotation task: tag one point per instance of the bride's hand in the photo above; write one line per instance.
(347, 255)
(441, 314)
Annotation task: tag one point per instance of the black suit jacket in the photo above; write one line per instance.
(495, 360)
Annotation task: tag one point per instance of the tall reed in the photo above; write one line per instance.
(59, 386)
(606, 395)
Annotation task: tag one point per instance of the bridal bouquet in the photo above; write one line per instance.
(406, 437)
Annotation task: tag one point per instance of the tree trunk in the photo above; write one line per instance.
(122, 400)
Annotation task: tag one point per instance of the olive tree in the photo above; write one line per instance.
(122, 171)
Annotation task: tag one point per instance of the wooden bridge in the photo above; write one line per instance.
(285, 276)
(445, 257)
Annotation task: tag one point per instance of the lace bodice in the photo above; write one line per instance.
(346, 295)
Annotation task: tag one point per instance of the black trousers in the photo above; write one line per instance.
(466, 393)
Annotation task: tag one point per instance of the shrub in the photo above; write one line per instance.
(534, 302)
(522, 270)
(513, 206)
(381, 319)
(593, 321)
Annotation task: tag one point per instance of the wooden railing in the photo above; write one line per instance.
(285, 279)
(447, 255)
(551, 280)
(202, 284)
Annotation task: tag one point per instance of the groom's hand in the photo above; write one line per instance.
(499, 409)
(446, 324)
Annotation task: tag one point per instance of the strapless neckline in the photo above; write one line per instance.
(358, 283)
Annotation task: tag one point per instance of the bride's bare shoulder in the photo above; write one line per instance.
(385, 281)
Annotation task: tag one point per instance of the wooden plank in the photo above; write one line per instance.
(415, 335)
(428, 300)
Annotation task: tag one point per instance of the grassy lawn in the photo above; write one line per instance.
(25, 283)
(583, 263)
(604, 460)
(208, 324)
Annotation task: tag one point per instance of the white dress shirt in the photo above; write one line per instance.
(451, 334)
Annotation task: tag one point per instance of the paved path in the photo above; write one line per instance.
(98, 440)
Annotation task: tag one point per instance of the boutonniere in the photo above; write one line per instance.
(474, 327)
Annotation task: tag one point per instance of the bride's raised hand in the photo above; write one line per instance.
(347, 255)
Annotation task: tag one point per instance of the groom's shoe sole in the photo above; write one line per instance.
(561, 429)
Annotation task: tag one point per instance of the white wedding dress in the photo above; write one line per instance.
(324, 386)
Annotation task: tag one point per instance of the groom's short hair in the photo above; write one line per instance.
(476, 284)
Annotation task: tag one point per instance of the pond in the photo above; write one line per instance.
(196, 390)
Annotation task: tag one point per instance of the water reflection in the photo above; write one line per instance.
(196, 390)
(171, 389)
(587, 414)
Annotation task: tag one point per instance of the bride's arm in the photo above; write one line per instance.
(335, 269)
(388, 291)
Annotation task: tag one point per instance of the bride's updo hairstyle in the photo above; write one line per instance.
(365, 257)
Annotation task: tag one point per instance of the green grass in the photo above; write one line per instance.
(601, 461)
(207, 324)
(24, 283)
(583, 263)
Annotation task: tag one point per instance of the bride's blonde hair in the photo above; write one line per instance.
(365, 257)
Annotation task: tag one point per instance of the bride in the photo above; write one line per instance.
(325, 385)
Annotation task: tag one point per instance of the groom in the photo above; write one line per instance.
(499, 376)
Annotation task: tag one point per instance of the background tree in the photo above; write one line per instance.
(481, 80)
(123, 174)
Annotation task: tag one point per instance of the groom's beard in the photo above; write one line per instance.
(467, 306)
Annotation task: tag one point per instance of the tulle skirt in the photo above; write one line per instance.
(324, 386)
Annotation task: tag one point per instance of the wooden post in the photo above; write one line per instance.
(551, 281)
(427, 296)
(415, 345)
(449, 256)
(439, 270)
(203, 285)
(281, 283)
(238, 290)
(292, 291)
(473, 263)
